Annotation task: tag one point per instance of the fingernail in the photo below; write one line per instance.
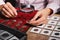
(16, 14)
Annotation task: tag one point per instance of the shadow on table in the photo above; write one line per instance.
(58, 11)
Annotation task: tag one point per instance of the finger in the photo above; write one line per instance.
(37, 21)
(12, 8)
(35, 17)
(5, 15)
(41, 19)
(6, 12)
(8, 9)
(43, 22)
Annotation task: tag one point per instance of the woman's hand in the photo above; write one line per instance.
(8, 10)
(42, 14)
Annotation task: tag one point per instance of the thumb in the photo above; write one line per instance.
(35, 17)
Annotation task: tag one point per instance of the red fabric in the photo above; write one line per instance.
(21, 17)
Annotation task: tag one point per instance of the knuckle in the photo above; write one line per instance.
(44, 18)
(2, 9)
(4, 5)
(8, 3)
(37, 24)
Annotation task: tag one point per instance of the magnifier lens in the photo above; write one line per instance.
(27, 8)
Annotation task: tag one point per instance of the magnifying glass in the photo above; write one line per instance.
(26, 8)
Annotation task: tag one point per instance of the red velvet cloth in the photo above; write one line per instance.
(19, 21)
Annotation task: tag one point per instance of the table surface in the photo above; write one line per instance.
(34, 36)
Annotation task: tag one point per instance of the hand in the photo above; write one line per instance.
(8, 10)
(42, 14)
